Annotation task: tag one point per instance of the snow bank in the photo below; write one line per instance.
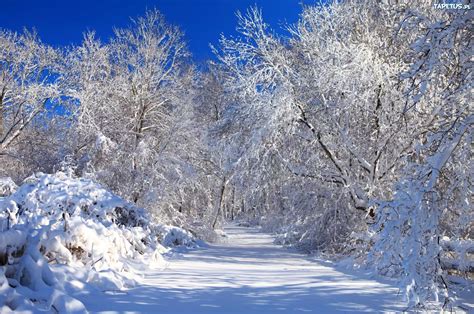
(56, 219)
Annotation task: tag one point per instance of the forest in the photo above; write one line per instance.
(348, 137)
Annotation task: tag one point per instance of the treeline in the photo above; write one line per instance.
(350, 136)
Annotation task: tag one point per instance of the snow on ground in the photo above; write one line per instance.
(248, 274)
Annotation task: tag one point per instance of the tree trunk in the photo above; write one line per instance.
(219, 204)
(232, 205)
(2, 96)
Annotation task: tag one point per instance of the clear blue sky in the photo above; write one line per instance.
(63, 22)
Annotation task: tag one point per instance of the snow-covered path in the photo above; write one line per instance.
(249, 274)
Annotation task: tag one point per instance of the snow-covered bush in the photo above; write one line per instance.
(174, 236)
(26, 280)
(81, 220)
(7, 186)
(58, 219)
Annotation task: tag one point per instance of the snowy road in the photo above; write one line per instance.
(249, 274)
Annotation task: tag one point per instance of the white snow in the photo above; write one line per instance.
(248, 274)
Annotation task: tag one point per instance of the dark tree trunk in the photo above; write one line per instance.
(2, 95)
(220, 203)
(233, 204)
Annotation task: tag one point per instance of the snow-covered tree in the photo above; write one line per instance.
(420, 229)
(360, 95)
(135, 126)
(29, 92)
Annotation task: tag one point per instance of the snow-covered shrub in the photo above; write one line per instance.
(203, 232)
(63, 220)
(175, 236)
(26, 280)
(7, 186)
(82, 221)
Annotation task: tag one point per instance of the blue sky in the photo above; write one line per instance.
(64, 22)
